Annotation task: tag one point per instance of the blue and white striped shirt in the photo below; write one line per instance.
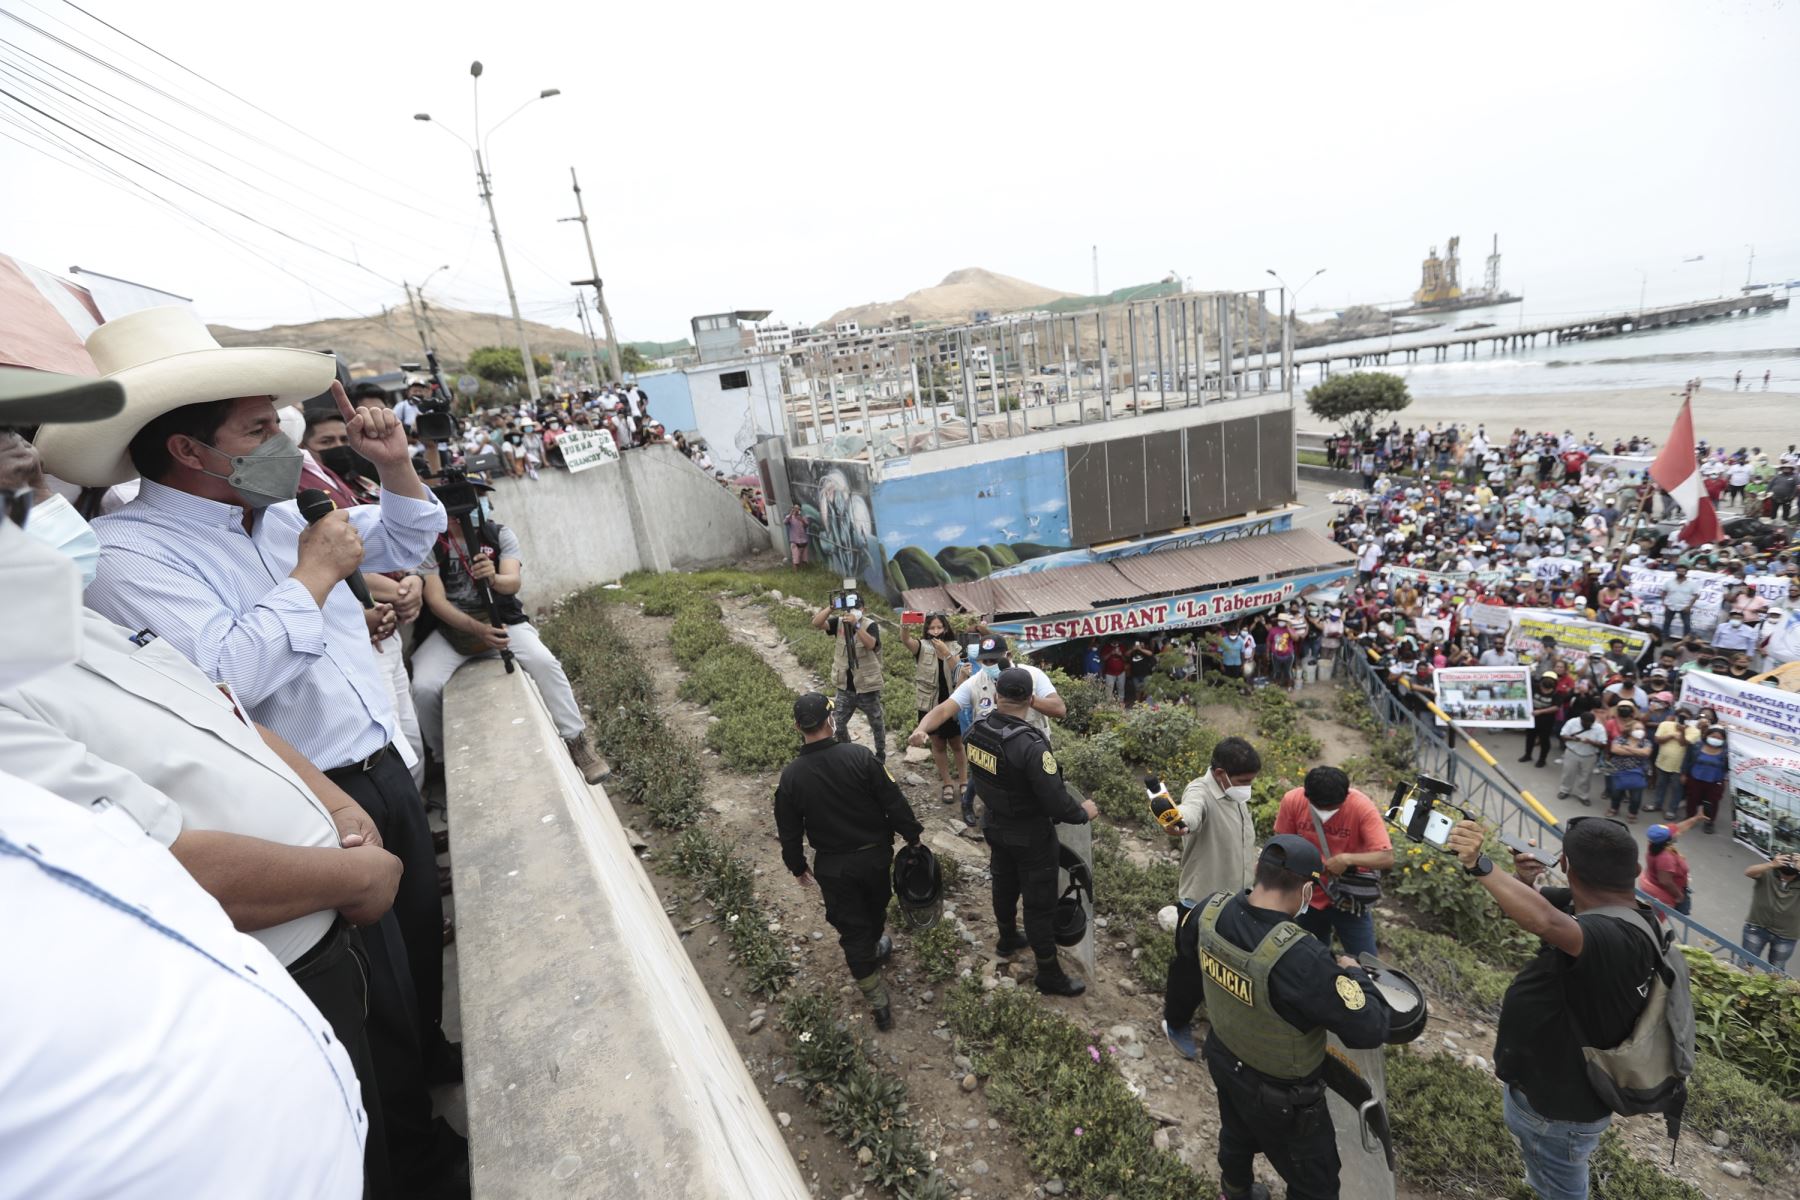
(183, 567)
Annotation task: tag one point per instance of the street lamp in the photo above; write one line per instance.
(477, 149)
(1294, 292)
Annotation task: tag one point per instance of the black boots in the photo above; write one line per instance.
(1010, 943)
(1053, 981)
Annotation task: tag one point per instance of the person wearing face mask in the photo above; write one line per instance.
(214, 559)
(1704, 769)
(1735, 634)
(1272, 996)
(1773, 925)
(1349, 832)
(1217, 835)
(192, 1056)
(937, 656)
(1630, 752)
(856, 672)
(978, 694)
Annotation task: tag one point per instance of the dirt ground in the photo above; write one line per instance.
(972, 1146)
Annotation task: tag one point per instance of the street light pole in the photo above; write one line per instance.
(612, 339)
(512, 297)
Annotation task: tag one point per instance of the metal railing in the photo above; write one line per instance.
(1498, 804)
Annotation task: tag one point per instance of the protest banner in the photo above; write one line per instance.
(1550, 569)
(1438, 580)
(582, 449)
(1629, 466)
(1646, 587)
(1489, 618)
(1752, 708)
(1575, 638)
(1485, 697)
(1764, 788)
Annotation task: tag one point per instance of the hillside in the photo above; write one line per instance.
(377, 345)
(954, 299)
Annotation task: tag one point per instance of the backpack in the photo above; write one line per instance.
(1648, 1071)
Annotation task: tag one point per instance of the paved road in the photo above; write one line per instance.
(1721, 893)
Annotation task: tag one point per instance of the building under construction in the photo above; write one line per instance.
(1440, 283)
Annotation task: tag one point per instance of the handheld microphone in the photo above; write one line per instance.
(1162, 805)
(314, 505)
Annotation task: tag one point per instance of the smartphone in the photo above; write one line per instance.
(1437, 825)
(844, 601)
(1523, 849)
(909, 617)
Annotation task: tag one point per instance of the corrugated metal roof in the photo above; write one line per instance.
(1224, 562)
(1098, 585)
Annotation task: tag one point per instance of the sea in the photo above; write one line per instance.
(1712, 350)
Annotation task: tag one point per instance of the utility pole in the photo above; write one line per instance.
(612, 338)
(417, 324)
(587, 327)
(487, 195)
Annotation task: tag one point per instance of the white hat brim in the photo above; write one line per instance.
(94, 454)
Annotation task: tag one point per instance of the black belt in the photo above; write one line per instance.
(853, 850)
(325, 951)
(361, 766)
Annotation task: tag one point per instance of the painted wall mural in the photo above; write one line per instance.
(833, 495)
(966, 523)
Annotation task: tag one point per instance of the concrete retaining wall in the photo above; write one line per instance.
(595, 1065)
(652, 510)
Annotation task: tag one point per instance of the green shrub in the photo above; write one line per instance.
(1129, 897)
(1153, 735)
(1453, 902)
(1752, 1021)
(1445, 966)
(1084, 698)
(1097, 769)
(936, 949)
(1764, 1129)
(730, 887)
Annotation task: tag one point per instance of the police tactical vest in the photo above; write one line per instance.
(1000, 785)
(867, 662)
(1236, 983)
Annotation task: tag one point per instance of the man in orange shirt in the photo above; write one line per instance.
(1355, 836)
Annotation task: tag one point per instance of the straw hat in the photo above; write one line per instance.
(165, 358)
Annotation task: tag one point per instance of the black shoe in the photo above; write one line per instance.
(444, 1065)
(1257, 1192)
(884, 1018)
(1010, 943)
(1525, 757)
(1709, 827)
(1053, 981)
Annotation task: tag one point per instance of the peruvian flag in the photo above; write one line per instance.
(1676, 473)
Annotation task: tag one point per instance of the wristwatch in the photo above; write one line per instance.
(1483, 865)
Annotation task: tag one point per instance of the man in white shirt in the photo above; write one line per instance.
(1583, 740)
(977, 694)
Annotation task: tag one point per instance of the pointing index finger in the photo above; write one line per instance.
(343, 401)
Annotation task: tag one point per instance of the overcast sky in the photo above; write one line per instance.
(804, 157)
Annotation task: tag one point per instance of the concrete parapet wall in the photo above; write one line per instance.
(596, 1066)
(653, 510)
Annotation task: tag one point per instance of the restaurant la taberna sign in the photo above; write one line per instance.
(1190, 610)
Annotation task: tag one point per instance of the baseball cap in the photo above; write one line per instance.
(1657, 835)
(810, 710)
(992, 647)
(29, 397)
(1294, 853)
(1014, 684)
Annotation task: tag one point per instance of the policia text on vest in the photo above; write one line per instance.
(1024, 796)
(1273, 992)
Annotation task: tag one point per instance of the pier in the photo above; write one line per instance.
(1436, 347)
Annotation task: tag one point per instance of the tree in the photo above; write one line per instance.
(503, 364)
(633, 361)
(1355, 398)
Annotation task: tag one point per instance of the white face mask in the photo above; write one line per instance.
(1240, 793)
(1306, 895)
(57, 525)
(1715, 743)
(42, 591)
(1324, 814)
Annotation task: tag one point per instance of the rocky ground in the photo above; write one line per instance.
(972, 1146)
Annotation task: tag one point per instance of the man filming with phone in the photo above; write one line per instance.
(855, 666)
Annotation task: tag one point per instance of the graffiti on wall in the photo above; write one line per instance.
(833, 495)
(968, 522)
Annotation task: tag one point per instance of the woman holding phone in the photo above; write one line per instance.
(937, 657)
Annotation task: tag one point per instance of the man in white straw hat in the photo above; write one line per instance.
(214, 558)
(151, 1048)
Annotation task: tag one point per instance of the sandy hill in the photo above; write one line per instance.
(379, 344)
(955, 299)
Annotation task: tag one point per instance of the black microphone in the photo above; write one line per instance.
(314, 505)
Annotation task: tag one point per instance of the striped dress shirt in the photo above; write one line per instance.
(182, 567)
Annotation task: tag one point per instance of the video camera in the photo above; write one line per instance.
(435, 422)
(1422, 810)
(846, 597)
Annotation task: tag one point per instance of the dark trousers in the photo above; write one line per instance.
(406, 966)
(856, 890)
(1699, 796)
(1023, 864)
(335, 977)
(1184, 992)
(1539, 737)
(1687, 623)
(1299, 1143)
(848, 703)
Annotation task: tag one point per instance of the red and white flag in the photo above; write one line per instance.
(1677, 472)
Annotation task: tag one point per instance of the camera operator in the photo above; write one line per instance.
(837, 796)
(1773, 923)
(1587, 986)
(1350, 834)
(464, 629)
(855, 670)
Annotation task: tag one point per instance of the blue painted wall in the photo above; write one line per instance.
(670, 402)
(960, 524)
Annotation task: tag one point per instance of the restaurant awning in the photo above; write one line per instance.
(1199, 585)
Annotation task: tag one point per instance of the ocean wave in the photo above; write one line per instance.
(1687, 356)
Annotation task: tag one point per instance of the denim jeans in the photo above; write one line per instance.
(1767, 946)
(1555, 1152)
(1356, 932)
(1665, 792)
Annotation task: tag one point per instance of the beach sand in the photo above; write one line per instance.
(1722, 417)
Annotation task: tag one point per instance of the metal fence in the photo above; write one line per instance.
(1478, 790)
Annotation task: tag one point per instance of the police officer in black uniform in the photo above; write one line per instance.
(1016, 776)
(839, 797)
(1273, 991)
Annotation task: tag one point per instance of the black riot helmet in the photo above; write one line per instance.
(1068, 922)
(919, 886)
